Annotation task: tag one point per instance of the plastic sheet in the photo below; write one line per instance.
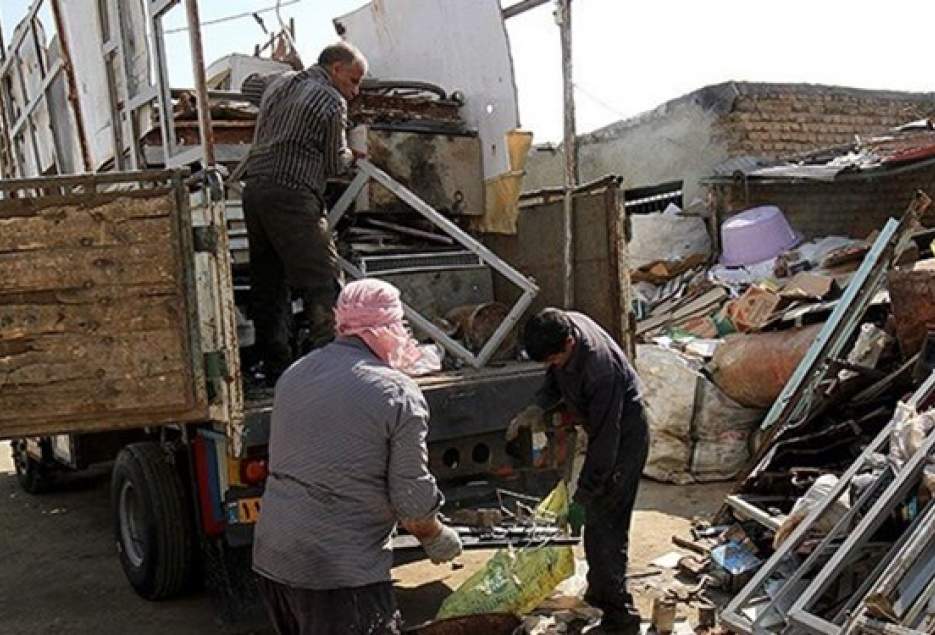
(516, 580)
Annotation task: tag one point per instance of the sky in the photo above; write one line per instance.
(630, 55)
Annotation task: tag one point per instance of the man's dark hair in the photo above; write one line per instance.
(546, 333)
(340, 52)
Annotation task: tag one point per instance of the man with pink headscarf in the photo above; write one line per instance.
(348, 462)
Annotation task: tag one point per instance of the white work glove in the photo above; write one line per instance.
(531, 417)
(444, 547)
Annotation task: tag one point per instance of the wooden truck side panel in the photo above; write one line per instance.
(97, 311)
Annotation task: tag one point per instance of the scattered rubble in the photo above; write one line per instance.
(817, 344)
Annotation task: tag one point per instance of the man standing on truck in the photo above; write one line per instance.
(299, 143)
(348, 461)
(588, 371)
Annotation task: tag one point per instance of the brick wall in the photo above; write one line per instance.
(851, 207)
(786, 119)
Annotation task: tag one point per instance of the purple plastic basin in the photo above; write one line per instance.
(755, 235)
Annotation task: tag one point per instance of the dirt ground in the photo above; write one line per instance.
(59, 572)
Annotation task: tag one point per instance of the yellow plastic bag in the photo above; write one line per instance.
(516, 580)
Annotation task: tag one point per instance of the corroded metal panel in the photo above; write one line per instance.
(443, 170)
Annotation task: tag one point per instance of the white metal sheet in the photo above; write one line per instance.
(437, 42)
(82, 30)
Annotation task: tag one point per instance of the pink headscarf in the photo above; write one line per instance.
(371, 310)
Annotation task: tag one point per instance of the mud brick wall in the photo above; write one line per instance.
(851, 207)
(781, 120)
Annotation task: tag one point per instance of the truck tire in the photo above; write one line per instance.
(33, 476)
(153, 524)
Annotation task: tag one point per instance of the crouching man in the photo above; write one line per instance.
(348, 461)
(588, 371)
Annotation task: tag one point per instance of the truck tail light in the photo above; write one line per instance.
(253, 471)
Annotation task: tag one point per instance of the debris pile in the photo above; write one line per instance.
(719, 342)
(808, 370)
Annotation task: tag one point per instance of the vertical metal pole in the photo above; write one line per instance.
(72, 86)
(201, 85)
(571, 156)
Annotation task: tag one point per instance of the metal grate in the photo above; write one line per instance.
(431, 261)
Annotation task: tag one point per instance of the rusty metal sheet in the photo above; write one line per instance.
(437, 42)
(912, 293)
(445, 171)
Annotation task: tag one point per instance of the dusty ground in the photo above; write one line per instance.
(59, 573)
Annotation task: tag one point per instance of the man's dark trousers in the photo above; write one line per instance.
(607, 529)
(367, 610)
(290, 247)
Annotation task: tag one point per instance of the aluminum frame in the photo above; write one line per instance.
(905, 557)
(21, 133)
(732, 614)
(367, 171)
(800, 614)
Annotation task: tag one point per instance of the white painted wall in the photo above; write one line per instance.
(457, 44)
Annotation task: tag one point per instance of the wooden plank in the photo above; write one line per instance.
(103, 295)
(28, 361)
(94, 375)
(94, 422)
(80, 268)
(31, 206)
(151, 313)
(36, 233)
(103, 178)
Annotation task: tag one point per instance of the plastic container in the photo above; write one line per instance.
(756, 235)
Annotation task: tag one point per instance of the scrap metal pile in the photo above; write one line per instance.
(791, 365)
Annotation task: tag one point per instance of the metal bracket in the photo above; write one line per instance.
(367, 171)
(216, 365)
(206, 239)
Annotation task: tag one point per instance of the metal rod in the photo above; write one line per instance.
(201, 83)
(521, 7)
(571, 156)
(752, 512)
(366, 171)
(72, 85)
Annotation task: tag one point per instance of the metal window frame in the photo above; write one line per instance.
(900, 565)
(122, 105)
(204, 152)
(733, 614)
(367, 171)
(23, 128)
(801, 614)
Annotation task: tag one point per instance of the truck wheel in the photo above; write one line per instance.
(33, 476)
(153, 524)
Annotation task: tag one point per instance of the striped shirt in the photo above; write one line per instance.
(348, 459)
(300, 138)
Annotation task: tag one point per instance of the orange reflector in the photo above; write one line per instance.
(253, 471)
